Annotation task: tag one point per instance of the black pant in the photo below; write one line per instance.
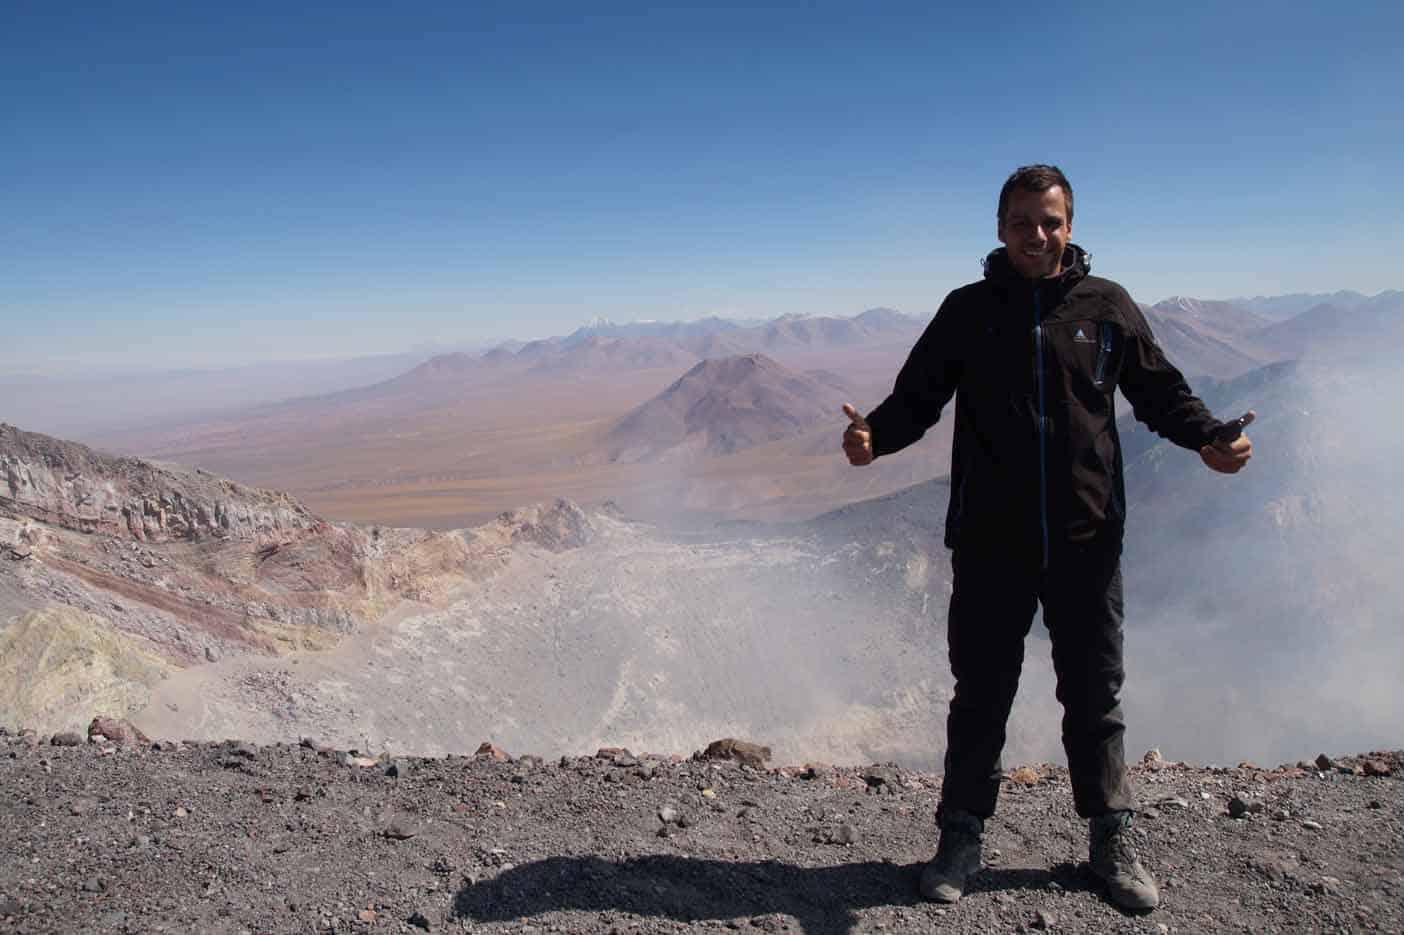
(992, 609)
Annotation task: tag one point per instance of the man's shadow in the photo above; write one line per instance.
(824, 900)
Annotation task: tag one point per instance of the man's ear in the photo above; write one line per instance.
(999, 231)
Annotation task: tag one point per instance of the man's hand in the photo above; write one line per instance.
(857, 438)
(1227, 457)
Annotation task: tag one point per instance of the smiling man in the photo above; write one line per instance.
(1033, 354)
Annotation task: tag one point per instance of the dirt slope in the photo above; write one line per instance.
(229, 838)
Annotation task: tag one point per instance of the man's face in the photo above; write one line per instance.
(1035, 228)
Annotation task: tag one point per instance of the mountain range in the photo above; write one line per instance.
(1264, 603)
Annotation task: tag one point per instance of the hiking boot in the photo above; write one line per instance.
(1114, 862)
(957, 857)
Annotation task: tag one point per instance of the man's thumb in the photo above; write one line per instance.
(854, 416)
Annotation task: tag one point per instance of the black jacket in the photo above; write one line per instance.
(1033, 366)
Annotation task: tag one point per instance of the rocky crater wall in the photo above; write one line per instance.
(72, 486)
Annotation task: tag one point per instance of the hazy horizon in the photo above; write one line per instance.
(66, 370)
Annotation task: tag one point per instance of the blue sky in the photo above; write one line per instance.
(197, 184)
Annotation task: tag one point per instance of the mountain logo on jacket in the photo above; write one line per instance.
(1082, 338)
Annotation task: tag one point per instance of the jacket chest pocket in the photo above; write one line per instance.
(1089, 357)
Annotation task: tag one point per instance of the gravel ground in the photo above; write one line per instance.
(235, 838)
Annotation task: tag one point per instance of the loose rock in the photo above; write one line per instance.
(116, 730)
(492, 752)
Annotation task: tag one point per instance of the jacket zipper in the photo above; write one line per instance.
(1104, 353)
(1042, 427)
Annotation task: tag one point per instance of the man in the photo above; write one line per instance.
(1033, 354)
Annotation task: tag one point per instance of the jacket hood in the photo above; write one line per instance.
(1077, 263)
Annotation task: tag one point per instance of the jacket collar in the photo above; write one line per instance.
(1077, 263)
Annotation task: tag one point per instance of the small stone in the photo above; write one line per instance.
(1043, 919)
(1325, 885)
(1311, 825)
(1173, 801)
(1024, 776)
(612, 753)
(242, 750)
(398, 769)
(181, 812)
(1281, 814)
(742, 751)
(881, 778)
(844, 834)
(399, 831)
(1377, 768)
(668, 815)
(1153, 757)
(1376, 803)
(367, 916)
(1325, 763)
(709, 794)
(419, 920)
(1237, 807)
(67, 738)
(491, 751)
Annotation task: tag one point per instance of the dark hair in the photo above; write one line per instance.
(1036, 178)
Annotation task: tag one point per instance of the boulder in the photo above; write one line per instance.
(487, 750)
(742, 751)
(117, 730)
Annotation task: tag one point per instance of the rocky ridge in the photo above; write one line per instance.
(73, 487)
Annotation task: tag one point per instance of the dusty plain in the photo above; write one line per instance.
(444, 457)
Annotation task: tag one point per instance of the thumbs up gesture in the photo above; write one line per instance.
(857, 438)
